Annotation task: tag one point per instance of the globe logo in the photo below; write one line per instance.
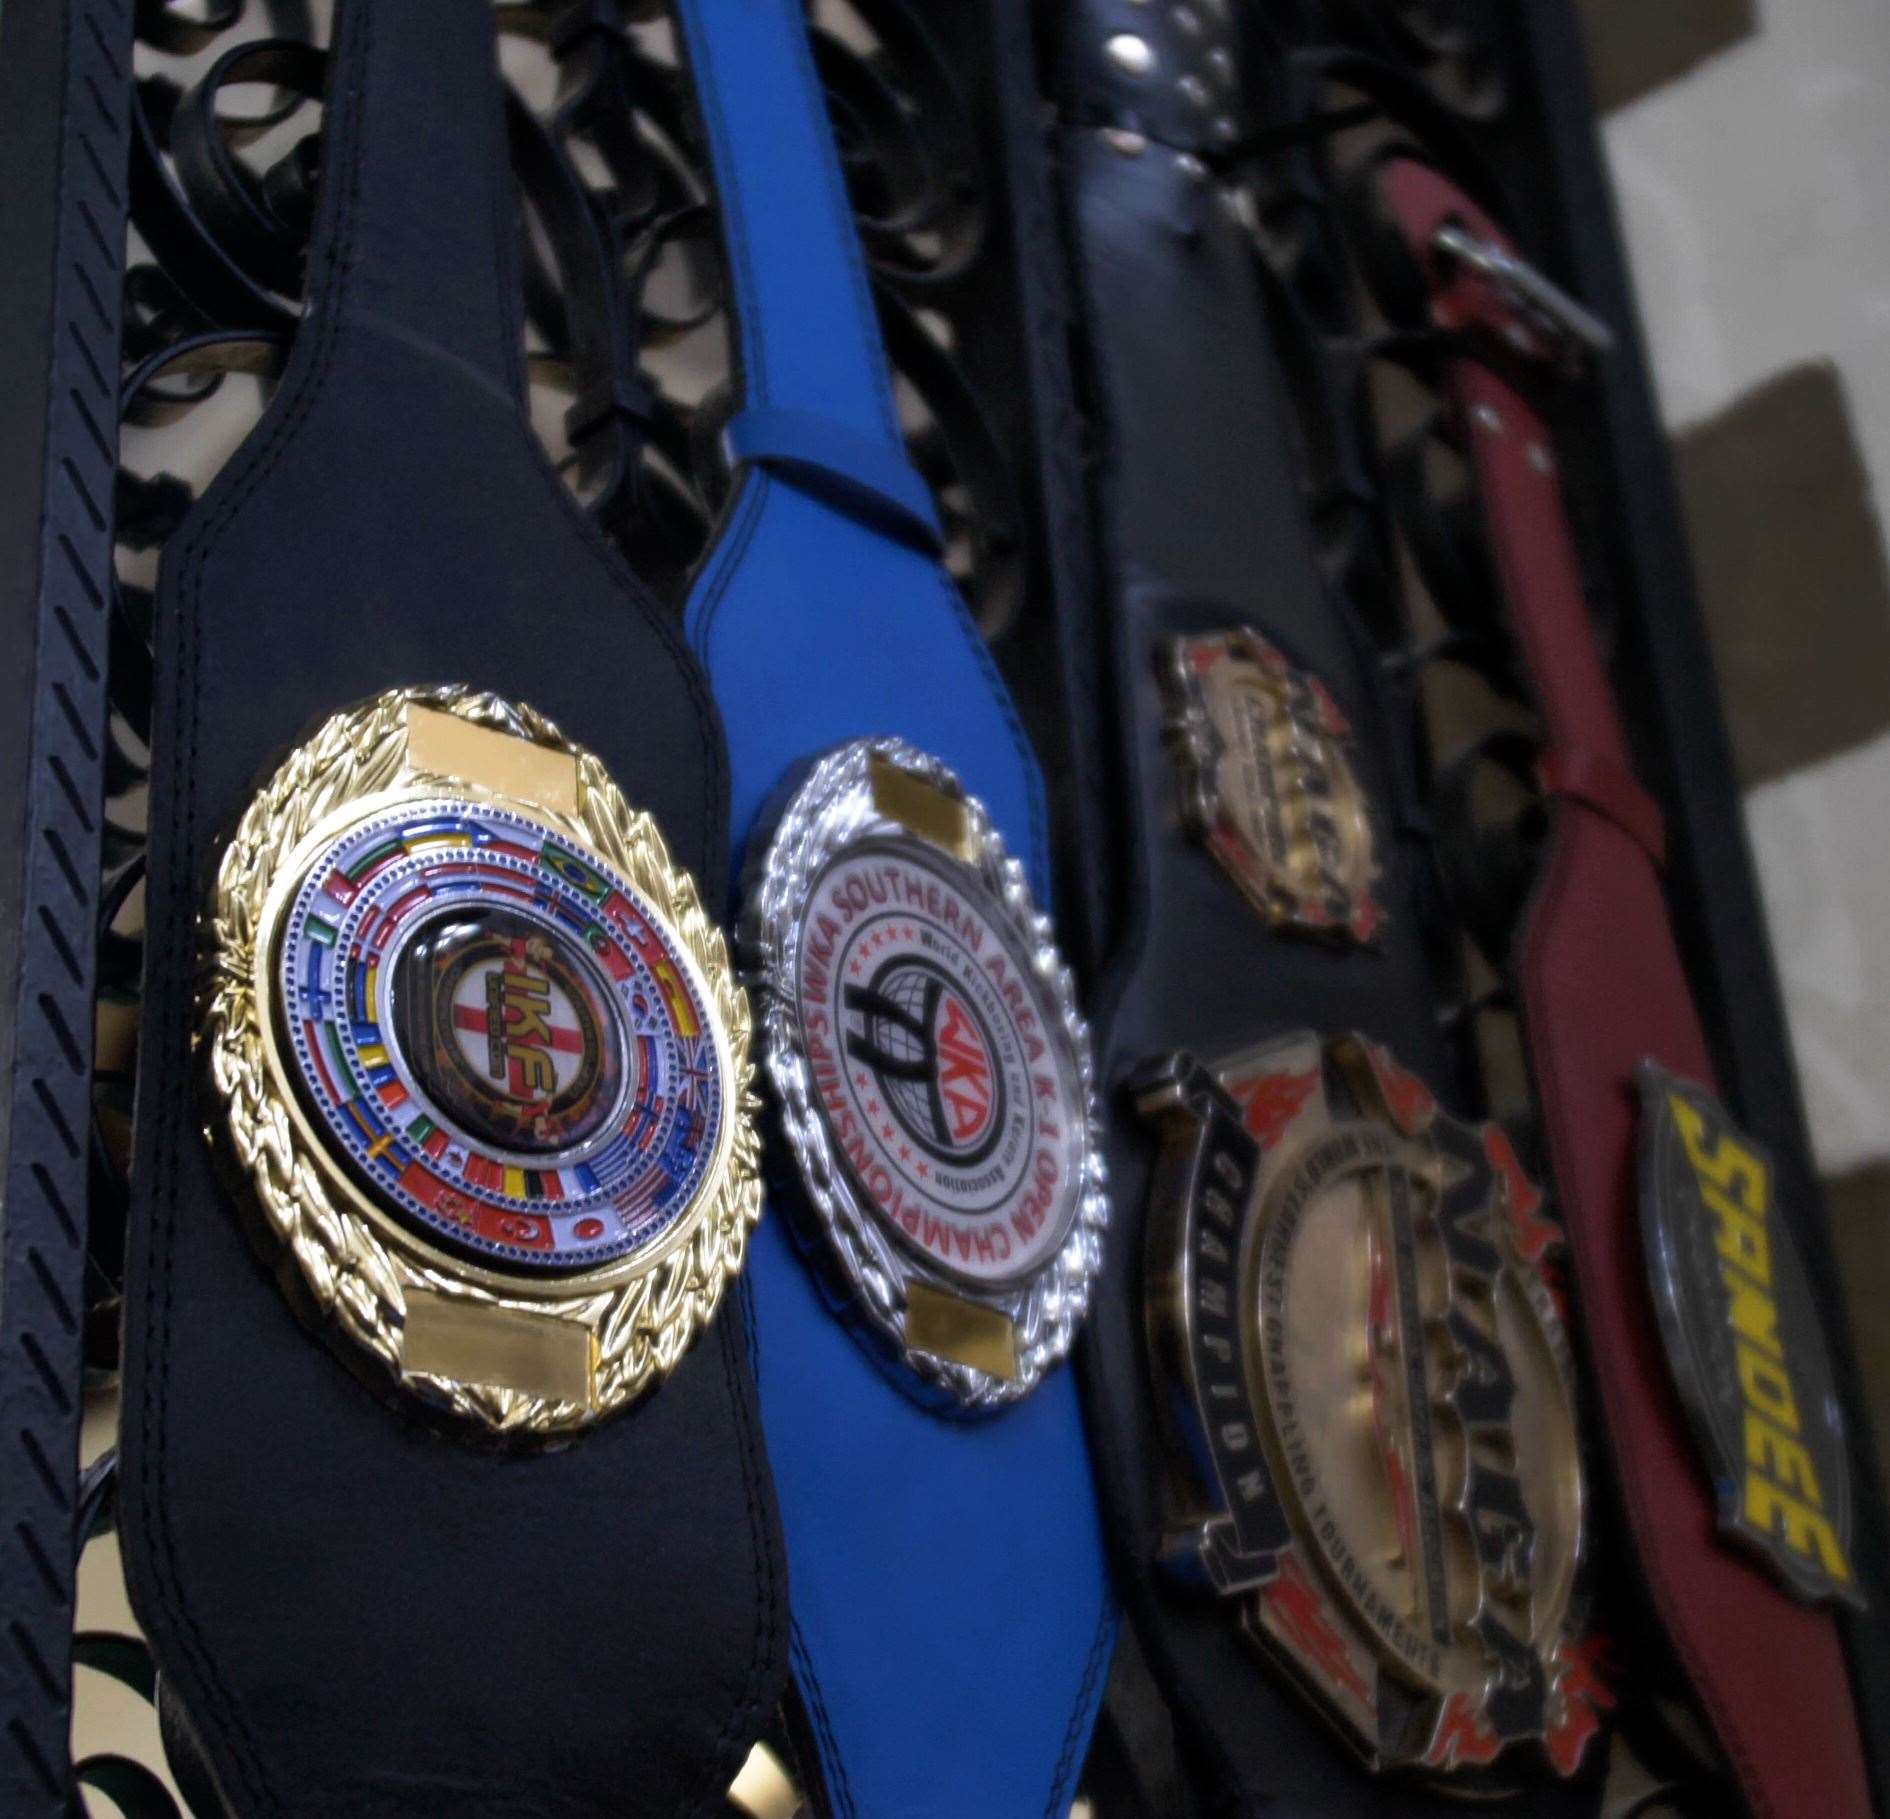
(932, 1056)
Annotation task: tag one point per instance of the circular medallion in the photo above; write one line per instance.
(1376, 1449)
(499, 1033)
(483, 1058)
(933, 1072)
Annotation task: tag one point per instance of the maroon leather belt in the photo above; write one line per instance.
(1603, 989)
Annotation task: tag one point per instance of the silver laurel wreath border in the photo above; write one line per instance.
(833, 809)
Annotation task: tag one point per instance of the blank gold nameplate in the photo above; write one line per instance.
(444, 745)
(507, 1347)
(962, 1331)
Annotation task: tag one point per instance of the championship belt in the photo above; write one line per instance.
(937, 1174)
(1605, 1001)
(428, 965)
(1283, 867)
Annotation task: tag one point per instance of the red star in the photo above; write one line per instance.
(886, 1131)
(905, 1152)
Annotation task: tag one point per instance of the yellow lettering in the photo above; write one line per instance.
(1767, 1388)
(536, 1073)
(1741, 1239)
(1729, 1165)
(1804, 1530)
(1781, 1457)
(1752, 1312)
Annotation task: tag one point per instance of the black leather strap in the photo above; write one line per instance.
(1203, 528)
(351, 1614)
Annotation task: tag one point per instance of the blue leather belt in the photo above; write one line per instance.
(952, 1618)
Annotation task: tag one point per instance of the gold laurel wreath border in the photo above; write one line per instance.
(644, 1324)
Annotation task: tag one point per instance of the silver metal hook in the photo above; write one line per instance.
(1530, 290)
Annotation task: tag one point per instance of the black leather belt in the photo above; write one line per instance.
(596, 1628)
(1210, 563)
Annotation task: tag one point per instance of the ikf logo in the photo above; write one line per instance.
(519, 1042)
